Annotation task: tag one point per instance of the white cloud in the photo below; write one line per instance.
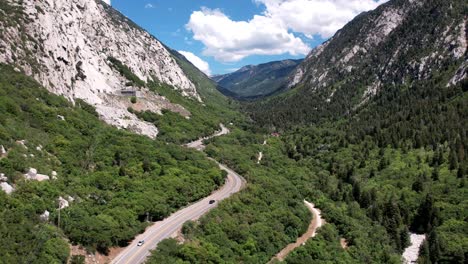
(316, 17)
(229, 40)
(107, 2)
(273, 32)
(149, 5)
(197, 61)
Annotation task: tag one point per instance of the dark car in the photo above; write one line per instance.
(212, 201)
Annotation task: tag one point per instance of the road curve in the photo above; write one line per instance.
(198, 144)
(165, 228)
(316, 223)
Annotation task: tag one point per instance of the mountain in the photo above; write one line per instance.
(255, 81)
(400, 44)
(84, 49)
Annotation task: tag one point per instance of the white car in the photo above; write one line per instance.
(140, 243)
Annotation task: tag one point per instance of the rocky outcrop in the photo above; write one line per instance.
(34, 176)
(63, 203)
(3, 151)
(45, 216)
(6, 187)
(65, 45)
(400, 42)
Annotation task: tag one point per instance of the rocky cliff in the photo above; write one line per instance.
(400, 42)
(71, 47)
(400, 45)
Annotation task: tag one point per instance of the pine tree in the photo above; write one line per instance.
(434, 246)
(453, 160)
(424, 256)
(435, 174)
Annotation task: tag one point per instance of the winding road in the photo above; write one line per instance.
(161, 230)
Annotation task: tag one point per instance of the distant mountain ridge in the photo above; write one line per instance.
(253, 81)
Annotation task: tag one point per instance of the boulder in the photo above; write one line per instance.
(7, 187)
(3, 178)
(45, 216)
(63, 203)
(33, 175)
(22, 143)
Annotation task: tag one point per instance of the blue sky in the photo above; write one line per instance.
(226, 35)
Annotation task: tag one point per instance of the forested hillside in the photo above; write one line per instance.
(400, 45)
(373, 182)
(257, 81)
(380, 161)
(372, 129)
(112, 181)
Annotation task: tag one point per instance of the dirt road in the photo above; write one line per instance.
(315, 224)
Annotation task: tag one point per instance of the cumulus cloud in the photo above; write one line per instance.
(227, 40)
(197, 61)
(149, 5)
(273, 31)
(316, 17)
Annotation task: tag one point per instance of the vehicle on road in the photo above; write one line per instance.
(140, 243)
(212, 201)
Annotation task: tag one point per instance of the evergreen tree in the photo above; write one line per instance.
(453, 160)
(424, 255)
(434, 247)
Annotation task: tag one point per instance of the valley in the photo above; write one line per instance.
(114, 145)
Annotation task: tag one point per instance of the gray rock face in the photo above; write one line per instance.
(397, 43)
(65, 45)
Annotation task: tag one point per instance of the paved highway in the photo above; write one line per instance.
(161, 230)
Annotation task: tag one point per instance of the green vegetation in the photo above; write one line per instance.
(255, 81)
(257, 223)
(396, 165)
(126, 72)
(416, 39)
(117, 180)
(205, 116)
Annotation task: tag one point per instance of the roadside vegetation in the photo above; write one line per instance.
(113, 180)
(396, 166)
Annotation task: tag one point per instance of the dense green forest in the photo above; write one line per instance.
(377, 167)
(114, 180)
(394, 166)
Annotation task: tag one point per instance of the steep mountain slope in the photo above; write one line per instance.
(104, 183)
(85, 49)
(400, 44)
(257, 80)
